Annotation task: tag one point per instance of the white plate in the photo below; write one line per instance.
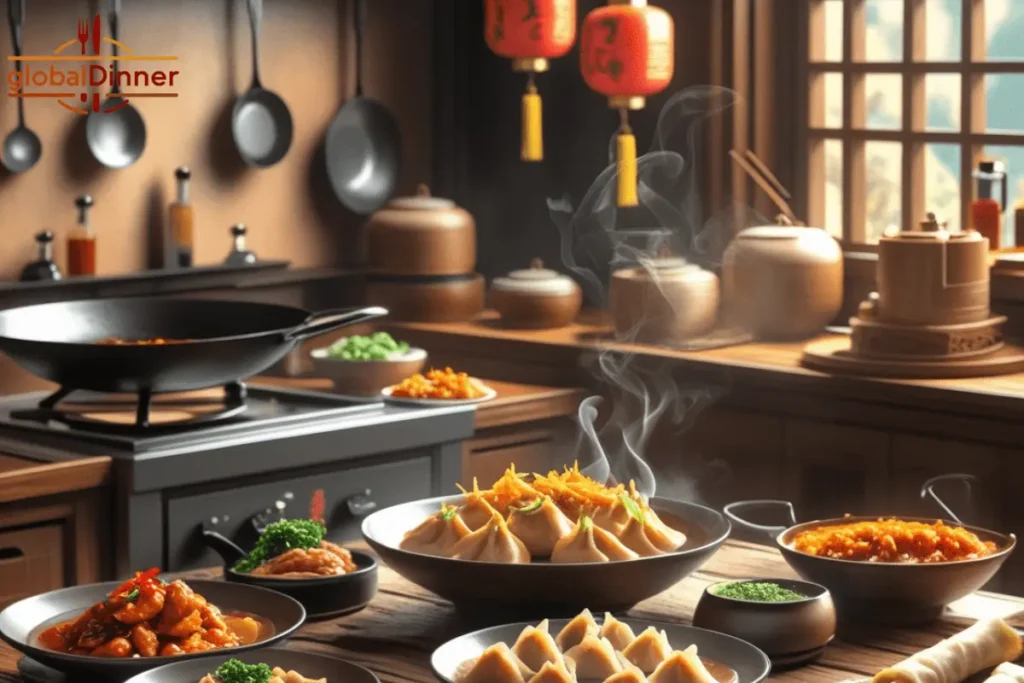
(490, 394)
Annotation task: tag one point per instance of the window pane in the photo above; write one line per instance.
(834, 187)
(943, 93)
(943, 36)
(834, 31)
(833, 100)
(1014, 158)
(1004, 23)
(942, 182)
(884, 34)
(883, 95)
(883, 179)
(1004, 103)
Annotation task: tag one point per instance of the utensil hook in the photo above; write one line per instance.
(731, 510)
(325, 321)
(16, 17)
(359, 28)
(928, 489)
(115, 35)
(255, 24)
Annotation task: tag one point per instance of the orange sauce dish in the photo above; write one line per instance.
(439, 384)
(893, 540)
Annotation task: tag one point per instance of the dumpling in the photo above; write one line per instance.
(535, 646)
(554, 673)
(493, 542)
(620, 635)
(438, 534)
(475, 510)
(629, 673)
(612, 517)
(682, 667)
(649, 650)
(588, 543)
(644, 533)
(594, 658)
(497, 664)
(540, 525)
(581, 626)
(661, 534)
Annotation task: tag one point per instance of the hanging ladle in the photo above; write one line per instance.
(22, 147)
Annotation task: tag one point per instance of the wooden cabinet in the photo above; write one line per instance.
(532, 447)
(31, 561)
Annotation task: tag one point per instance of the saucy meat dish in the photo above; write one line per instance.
(120, 341)
(145, 617)
(329, 559)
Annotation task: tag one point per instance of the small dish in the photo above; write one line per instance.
(790, 633)
(306, 663)
(489, 394)
(366, 377)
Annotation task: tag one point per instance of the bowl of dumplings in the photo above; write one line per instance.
(610, 651)
(563, 540)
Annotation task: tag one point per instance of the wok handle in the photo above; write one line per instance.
(731, 511)
(223, 546)
(928, 489)
(326, 321)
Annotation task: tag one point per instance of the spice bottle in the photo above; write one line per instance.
(82, 241)
(239, 254)
(181, 224)
(43, 268)
(987, 209)
(1018, 217)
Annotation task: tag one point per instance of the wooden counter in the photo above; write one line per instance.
(396, 634)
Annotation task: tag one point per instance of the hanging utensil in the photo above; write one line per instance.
(116, 133)
(22, 147)
(261, 123)
(363, 146)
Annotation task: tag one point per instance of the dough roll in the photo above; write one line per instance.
(1007, 673)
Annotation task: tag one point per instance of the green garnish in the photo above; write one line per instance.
(632, 507)
(448, 512)
(281, 536)
(131, 596)
(757, 591)
(586, 523)
(235, 671)
(377, 346)
(532, 507)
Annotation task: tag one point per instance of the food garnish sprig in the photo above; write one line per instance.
(236, 671)
(130, 590)
(287, 534)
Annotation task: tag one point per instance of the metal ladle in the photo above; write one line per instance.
(22, 147)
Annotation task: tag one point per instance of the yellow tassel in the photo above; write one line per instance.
(625, 148)
(533, 137)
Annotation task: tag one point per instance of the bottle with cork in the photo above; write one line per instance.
(181, 224)
(990, 202)
(82, 241)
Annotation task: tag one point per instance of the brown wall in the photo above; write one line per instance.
(307, 57)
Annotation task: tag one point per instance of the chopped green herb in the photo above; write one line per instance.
(281, 536)
(586, 523)
(448, 512)
(235, 671)
(757, 591)
(131, 596)
(377, 346)
(632, 507)
(531, 507)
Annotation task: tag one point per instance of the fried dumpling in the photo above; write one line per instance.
(620, 635)
(497, 664)
(554, 673)
(588, 543)
(492, 542)
(540, 525)
(594, 658)
(648, 650)
(682, 667)
(581, 626)
(437, 534)
(535, 646)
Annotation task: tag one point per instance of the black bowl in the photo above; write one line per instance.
(541, 587)
(20, 622)
(306, 663)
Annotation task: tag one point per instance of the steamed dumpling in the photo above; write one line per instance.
(554, 673)
(581, 626)
(612, 517)
(492, 542)
(682, 667)
(497, 664)
(644, 533)
(475, 511)
(437, 534)
(629, 673)
(620, 635)
(588, 543)
(594, 658)
(661, 534)
(534, 647)
(649, 650)
(540, 525)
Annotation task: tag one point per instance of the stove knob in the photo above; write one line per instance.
(361, 504)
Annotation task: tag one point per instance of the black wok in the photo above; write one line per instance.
(222, 341)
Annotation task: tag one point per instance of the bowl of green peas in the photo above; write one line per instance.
(363, 365)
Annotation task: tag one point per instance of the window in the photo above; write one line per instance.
(904, 98)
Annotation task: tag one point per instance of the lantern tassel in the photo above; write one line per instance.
(625, 152)
(533, 137)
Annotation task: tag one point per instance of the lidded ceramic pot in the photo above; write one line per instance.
(536, 298)
(663, 301)
(783, 281)
(421, 235)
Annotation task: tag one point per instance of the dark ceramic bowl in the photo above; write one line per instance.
(790, 633)
(20, 622)
(541, 587)
(306, 663)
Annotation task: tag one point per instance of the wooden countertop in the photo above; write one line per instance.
(21, 478)
(398, 648)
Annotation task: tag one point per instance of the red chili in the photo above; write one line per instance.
(142, 580)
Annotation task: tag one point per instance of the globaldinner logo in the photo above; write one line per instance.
(66, 76)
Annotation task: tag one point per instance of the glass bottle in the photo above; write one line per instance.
(182, 224)
(987, 209)
(43, 268)
(239, 255)
(1018, 217)
(82, 241)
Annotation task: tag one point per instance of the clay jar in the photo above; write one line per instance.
(536, 298)
(421, 235)
(783, 281)
(664, 301)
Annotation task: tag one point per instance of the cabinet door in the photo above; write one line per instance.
(31, 561)
(531, 447)
(831, 470)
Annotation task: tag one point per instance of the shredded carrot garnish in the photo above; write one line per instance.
(438, 384)
(893, 540)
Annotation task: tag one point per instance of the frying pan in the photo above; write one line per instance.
(116, 138)
(261, 123)
(364, 146)
(22, 147)
(223, 341)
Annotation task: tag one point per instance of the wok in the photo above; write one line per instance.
(222, 341)
(899, 593)
(541, 588)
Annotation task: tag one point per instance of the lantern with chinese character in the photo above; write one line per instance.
(530, 32)
(627, 54)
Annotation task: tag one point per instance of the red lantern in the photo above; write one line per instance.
(627, 53)
(530, 32)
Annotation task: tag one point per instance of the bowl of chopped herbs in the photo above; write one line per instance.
(791, 620)
(362, 365)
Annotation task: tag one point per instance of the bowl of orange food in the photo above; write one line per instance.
(893, 570)
(439, 386)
